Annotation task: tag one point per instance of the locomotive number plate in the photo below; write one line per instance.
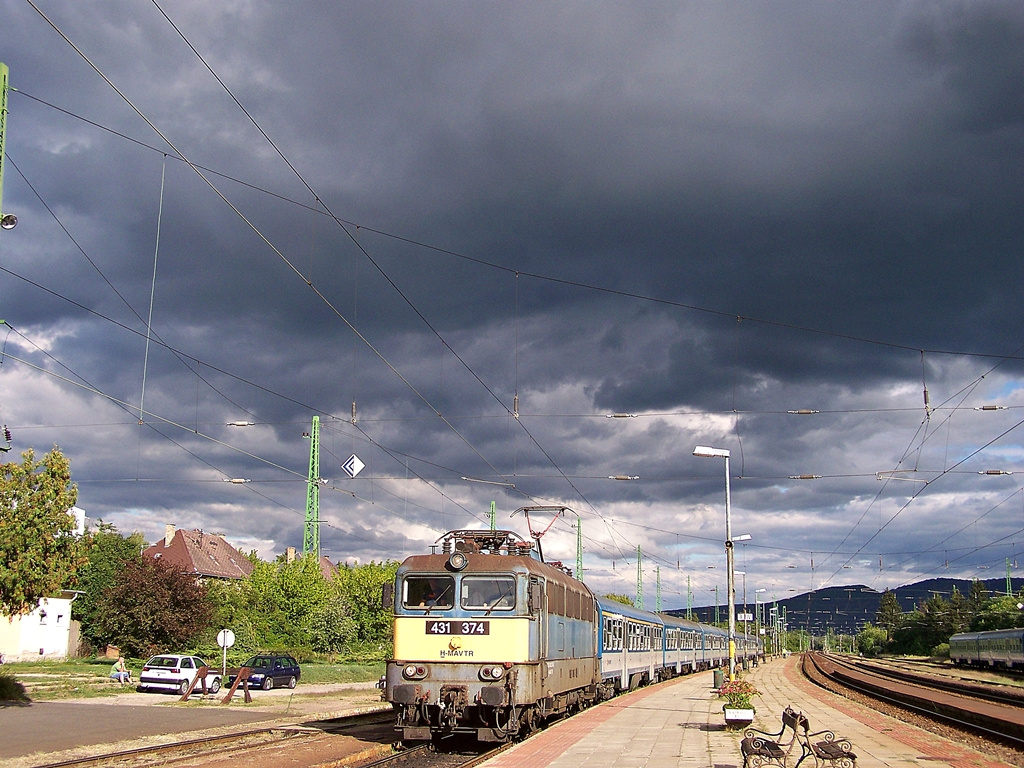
(458, 627)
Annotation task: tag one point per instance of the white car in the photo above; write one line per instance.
(171, 672)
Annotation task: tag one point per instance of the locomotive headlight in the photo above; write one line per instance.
(491, 673)
(414, 672)
(457, 561)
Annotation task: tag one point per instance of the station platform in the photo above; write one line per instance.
(680, 723)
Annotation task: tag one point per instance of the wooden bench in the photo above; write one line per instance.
(823, 747)
(761, 748)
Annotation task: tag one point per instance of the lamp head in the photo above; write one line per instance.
(8, 221)
(708, 452)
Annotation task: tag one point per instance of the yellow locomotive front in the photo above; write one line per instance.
(469, 639)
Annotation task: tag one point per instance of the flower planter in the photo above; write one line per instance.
(738, 718)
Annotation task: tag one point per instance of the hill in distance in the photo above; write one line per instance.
(845, 610)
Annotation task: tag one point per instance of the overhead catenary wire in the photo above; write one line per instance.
(318, 293)
(539, 276)
(838, 411)
(734, 409)
(152, 289)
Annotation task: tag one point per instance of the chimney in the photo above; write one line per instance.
(289, 555)
(168, 535)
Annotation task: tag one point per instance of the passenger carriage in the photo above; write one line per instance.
(683, 640)
(631, 646)
(994, 648)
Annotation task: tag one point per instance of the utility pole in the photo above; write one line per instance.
(494, 520)
(716, 604)
(311, 535)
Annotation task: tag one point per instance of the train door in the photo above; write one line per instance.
(538, 612)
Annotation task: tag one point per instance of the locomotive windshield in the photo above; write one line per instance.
(428, 592)
(492, 593)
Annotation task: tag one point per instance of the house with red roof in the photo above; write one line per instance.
(207, 555)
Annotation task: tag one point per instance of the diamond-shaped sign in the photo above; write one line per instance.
(353, 466)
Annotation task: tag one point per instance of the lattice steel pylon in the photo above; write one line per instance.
(579, 548)
(311, 535)
(7, 220)
(639, 602)
(657, 595)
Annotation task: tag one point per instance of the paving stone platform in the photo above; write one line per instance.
(680, 723)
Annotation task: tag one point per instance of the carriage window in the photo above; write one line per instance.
(493, 593)
(428, 592)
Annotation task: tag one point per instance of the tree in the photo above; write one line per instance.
(360, 587)
(977, 597)
(889, 615)
(911, 636)
(959, 612)
(291, 605)
(999, 613)
(936, 624)
(107, 552)
(624, 599)
(871, 640)
(331, 628)
(37, 544)
(151, 607)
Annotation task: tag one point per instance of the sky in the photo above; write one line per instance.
(466, 235)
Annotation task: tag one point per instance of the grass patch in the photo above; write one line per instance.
(316, 674)
(90, 678)
(88, 667)
(76, 678)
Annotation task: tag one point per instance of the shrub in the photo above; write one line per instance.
(11, 689)
(942, 649)
(738, 694)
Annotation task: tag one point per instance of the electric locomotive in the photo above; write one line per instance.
(489, 640)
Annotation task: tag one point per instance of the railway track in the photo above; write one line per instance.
(210, 747)
(425, 757)
(945, 701)
(375, 728)
(254, 745)
(942, 679)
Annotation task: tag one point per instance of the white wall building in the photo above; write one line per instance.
(46, 632)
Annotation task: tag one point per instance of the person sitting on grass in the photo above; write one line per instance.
(120, 672)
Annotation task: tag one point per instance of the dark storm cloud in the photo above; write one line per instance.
(814, 178)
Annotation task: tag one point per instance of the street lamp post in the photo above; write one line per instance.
(704, 451)
(757, 614)
(743, 575)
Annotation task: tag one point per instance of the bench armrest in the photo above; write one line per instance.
(755, 733)
(820, 736)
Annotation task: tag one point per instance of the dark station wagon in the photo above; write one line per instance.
(270, 670)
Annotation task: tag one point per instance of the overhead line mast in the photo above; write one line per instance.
(7, 221)
(311, 536)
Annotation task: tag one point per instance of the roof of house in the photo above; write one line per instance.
(327, 568)
(204, 554)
